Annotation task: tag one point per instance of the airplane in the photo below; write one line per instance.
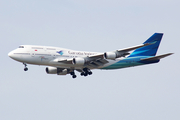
(62, 61)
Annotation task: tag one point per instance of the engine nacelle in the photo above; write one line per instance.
(58, 71)
(51, 70)
(110, 55)
(79, 61)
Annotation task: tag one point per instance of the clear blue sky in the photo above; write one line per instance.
(148, 92)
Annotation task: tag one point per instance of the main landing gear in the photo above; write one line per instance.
(73, 74)
(25, 67)
(86, 72)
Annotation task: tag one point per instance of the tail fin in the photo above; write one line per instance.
(149, 50)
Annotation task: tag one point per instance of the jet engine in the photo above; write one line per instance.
(51, 70)
(114, 55)
(110, 55)
(79, 61)
(58, 71)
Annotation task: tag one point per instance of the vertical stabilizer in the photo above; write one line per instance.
(149, 50)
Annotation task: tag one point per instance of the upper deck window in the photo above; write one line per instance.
(21, 46)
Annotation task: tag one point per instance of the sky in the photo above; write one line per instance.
(138, 93)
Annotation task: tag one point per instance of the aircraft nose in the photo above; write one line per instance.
(14, 55)
(10, 54)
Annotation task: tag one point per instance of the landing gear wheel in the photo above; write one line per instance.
(90, 73)
(85, 74)
(82, 74)
(25, 69)
(74, 76)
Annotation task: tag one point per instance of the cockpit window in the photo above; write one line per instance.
(21, 46)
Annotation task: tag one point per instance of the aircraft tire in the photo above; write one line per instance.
(25, 69)
(74, 76)
(85, 74)
(82, 74)
(90, 73)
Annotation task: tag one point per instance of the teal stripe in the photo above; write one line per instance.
(127, 62)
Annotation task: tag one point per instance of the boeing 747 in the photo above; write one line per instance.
(62, 61)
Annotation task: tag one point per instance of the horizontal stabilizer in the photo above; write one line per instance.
(157, 57)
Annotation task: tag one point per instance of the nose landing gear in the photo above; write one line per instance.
(25, 67)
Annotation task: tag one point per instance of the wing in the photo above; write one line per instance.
(101, 59)
(120, 52)
(97, 60)
(134, 47)
(92, 62)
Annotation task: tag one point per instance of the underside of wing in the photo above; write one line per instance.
(93, 61)
(97, 62)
